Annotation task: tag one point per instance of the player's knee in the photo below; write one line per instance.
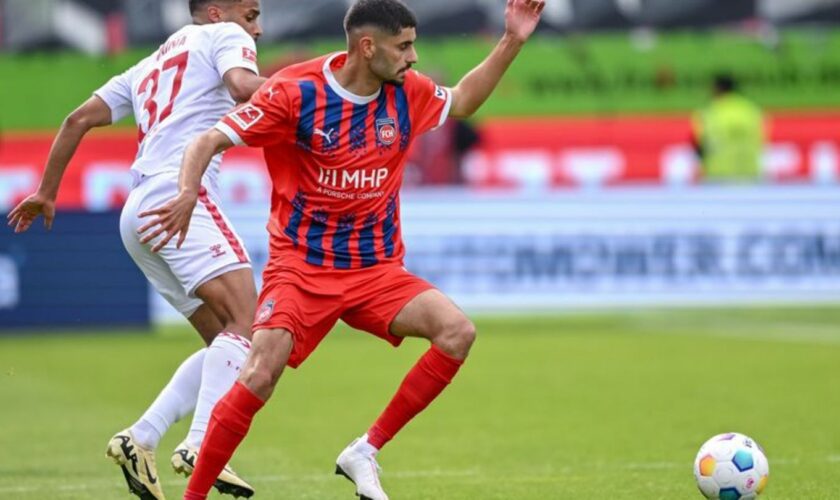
(266, 363)
(259, 380)
(457, 337)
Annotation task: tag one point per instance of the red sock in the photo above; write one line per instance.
(428, 378)
(229, 423)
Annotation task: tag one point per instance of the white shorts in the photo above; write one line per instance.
(210, 250)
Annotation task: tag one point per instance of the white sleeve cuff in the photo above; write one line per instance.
(230, 133)
(444, 114)
(252, 67)
(117, 112)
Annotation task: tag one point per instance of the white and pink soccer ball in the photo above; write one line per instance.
(731, 467)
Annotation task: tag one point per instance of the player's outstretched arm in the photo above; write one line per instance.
(521, 18)
(173, 218)
(93, 113)
(242, 83)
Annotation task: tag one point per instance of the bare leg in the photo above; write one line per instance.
(233, 414)
(433, 316)
(429, 315)
(231, 298)
(206, 323)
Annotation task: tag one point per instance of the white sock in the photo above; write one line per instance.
(365, 447)
(174, 402)
(225, 357)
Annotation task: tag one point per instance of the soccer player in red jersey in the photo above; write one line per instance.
(336, 131)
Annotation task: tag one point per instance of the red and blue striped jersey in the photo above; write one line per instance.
(336, 159)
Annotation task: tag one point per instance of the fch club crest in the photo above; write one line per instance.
(265, 311)
(386, 131)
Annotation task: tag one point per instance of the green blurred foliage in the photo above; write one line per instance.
(581, 74)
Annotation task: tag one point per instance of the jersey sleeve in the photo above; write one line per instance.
(429, 102)
(233, 48)
(117, 95)
(263, 121)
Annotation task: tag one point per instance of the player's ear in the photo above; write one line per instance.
(214, 13)
(367, 45)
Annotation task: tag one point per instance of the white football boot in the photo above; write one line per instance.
(358, 464)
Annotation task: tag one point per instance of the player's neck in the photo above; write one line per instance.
(355, 77)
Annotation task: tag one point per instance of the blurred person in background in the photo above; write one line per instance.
(435, 158)
(729, 134)
(177, 92)
(336, 132)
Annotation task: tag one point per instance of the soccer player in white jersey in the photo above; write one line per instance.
(179, 91)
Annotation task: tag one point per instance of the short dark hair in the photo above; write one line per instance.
(390, 16)
(195, 5)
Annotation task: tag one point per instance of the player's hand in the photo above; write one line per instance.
(173, 218)
(522, 17)
(25, 213)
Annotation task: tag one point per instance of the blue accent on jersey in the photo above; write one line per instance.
(403, 118)
(315, 238)
(291, 230)
(382, 113)
(332, 120)
(341, 241)
(367, 246)
(306, 123)
(389, 225)
(358, 128)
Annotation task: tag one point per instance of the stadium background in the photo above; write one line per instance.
(577, 188)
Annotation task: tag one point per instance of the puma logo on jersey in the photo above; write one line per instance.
(440, 93)
(329, 137)
(271, 93)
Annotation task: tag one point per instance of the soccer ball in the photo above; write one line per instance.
(731, 467)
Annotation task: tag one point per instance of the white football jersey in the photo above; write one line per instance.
(178, 92)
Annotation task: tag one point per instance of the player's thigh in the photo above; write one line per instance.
(377, 301)
(269, 355)
(210, 250)
(232, 296)
(153, 266)
(206, 323)
(299, 307)
(429, 315)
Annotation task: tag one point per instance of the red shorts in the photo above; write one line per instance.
(308, 301)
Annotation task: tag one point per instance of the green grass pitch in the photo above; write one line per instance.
(597, 405)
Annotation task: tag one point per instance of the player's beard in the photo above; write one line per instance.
(387, 75)
(399, 79)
